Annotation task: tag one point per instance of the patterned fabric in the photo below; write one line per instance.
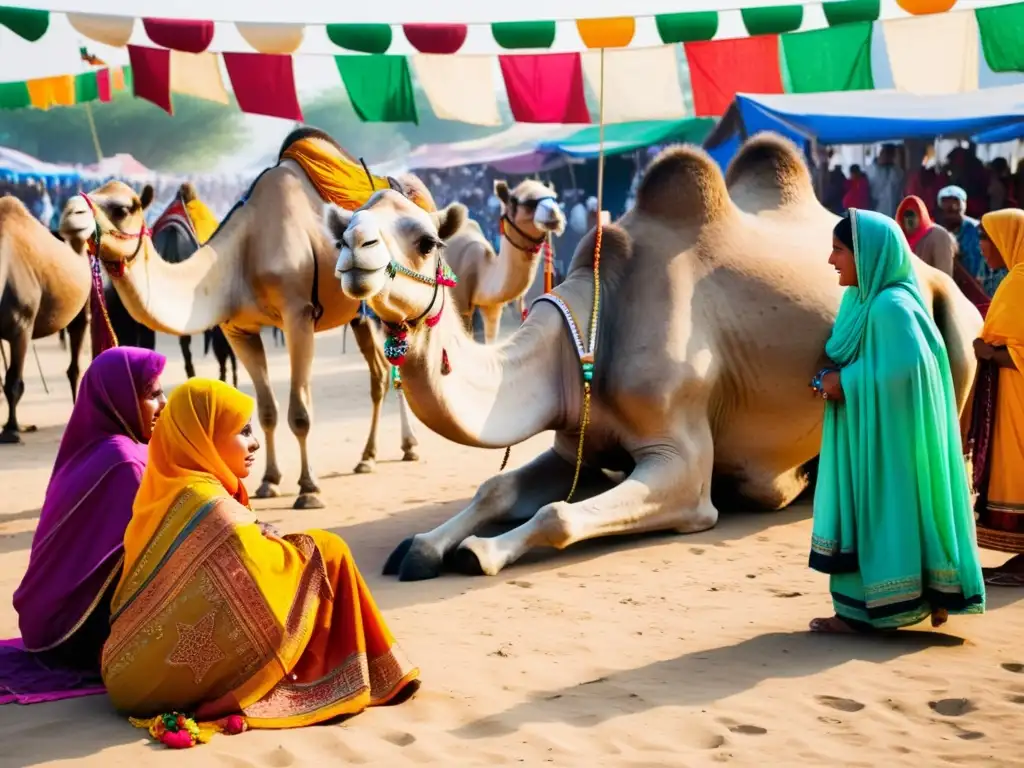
(215, 617)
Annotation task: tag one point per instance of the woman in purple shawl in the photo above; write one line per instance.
(63, 602)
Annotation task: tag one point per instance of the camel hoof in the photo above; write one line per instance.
(420, 563)
(308, 501)
(394, 561)
(10, 438)
(365, 467)
(466, 562)
(268, 490)
(410, 455)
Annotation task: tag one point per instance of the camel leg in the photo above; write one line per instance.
(492, 322)
(62, 338)
(76, 337)
(249, 348)
(511, 496)
(379, 367)
(186, 352)
(299, 341)
(409, 441)
(669, 489)
(14, 384)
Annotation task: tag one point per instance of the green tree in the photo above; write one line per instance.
(197, 134)
(332, 111)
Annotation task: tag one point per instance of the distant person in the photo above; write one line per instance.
(932, 244)
(953, 204)
(858, 190)
(893, 524)
(886, 181)
(996, 435)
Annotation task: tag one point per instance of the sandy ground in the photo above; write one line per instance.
(667, 650)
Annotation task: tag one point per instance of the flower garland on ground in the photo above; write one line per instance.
(177, 731)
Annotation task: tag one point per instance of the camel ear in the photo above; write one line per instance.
(337, 220)
(147, 196)
(501, 190)
(187, 192)
(551, 186)
(450, 220)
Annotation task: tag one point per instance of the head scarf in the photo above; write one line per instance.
(883, 261)
(1004, 321)
(953, 191)
(77, 546)
(184, 455)
(924, 219)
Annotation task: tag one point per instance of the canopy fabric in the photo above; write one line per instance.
(121, 164)
(627, 137)
(15, 165)
(865, 117)
(518, 143)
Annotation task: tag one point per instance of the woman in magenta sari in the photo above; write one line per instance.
(63, 602)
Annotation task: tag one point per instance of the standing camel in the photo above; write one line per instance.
(44, 287)
(716, 301)
(489, 281)
(268, 264)
(175, 238)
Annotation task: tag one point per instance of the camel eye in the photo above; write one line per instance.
(426, 245)
(119, 211)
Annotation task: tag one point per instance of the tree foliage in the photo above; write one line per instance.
(194, 137)
(332, 111)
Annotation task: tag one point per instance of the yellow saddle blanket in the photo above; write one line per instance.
(336, 177)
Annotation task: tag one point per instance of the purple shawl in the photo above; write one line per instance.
(78, 546)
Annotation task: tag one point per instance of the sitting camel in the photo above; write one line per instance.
(44, 288)
(268, 264)
(716, 302)
(176, 238)
(488, 282)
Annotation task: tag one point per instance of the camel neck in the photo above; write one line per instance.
(517, 270)
(493, 395)
(185, 298)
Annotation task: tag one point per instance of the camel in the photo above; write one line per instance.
(489, 281)
(175, 239)
(44, 288)
(268, 264)
(716, 302)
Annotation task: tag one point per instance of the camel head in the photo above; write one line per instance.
(111, 221)
(529, 213)
(391, 253)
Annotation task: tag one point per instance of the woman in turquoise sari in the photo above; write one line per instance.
(893, 524)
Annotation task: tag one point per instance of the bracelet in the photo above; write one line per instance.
(816, 381)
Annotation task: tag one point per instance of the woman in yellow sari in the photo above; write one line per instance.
(217, 615)
(997, 429)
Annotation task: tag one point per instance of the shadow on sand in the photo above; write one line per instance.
(701, 678)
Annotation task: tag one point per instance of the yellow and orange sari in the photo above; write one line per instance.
(212, 617)
(999, 397)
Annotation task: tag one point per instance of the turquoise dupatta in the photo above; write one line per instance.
(893, 523)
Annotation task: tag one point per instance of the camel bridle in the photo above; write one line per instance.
(507, 222)
(115, 267)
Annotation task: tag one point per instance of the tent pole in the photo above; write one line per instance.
(95, 135)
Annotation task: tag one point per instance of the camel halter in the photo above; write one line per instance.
(506, 222)
(115, 268)
(396, 345)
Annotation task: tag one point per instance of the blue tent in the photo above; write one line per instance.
(868, 117)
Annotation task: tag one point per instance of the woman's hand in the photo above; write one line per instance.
(831, 386)
(983, 351)
(268, 530)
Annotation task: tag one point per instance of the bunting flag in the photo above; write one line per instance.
(720, 69)
(932, 46)
(546, 88)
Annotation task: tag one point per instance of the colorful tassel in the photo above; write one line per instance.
(177, 731)
(446, 367)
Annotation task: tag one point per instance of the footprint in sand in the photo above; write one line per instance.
(952, 707)
(280, 758)
(1017, 699)
(1013, 667)
(400, 739)
(970, 735)
(843, 705)
(748, 730)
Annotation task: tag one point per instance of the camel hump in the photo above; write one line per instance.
(683, 184)
(768, 172)
(309, 132)
(616, 249)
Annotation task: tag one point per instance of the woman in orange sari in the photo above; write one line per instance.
(996, 434)
(217, 615)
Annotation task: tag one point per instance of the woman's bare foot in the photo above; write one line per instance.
(833, 625)
(939, 617)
